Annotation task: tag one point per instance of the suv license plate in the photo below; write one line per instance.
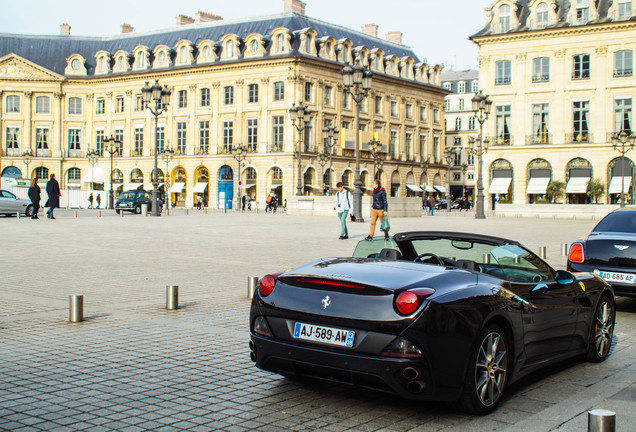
(328, 335)
(616, 277)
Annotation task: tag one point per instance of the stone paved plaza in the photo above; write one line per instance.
(133, 366)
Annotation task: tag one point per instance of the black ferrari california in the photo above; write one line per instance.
(430, 315)
(609, 251)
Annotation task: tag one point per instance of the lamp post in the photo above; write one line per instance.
(26, 157)
(464, 169)
(481, 108)
(161, 98)
(449, 155)
(322, 160)
(357, 82)
(167, 155)
(300, 116)
(424, 164)
(238, 152)
(331, 133)
(623, 142)
(93, 157)
(112, 147)
(375, 147)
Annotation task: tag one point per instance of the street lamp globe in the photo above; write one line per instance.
(347, 76)
(146, 93)
(165, 96)
(367, 77)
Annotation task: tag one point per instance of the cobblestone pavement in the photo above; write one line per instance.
(132, 365)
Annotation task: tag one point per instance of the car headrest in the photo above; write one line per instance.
(390, 254)
(467, 265)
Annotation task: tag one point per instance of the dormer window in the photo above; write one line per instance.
(542, 15)
(624, 9)
(162, 57)
(447, 86)
(140, 60)
(206, 51)
(183, 55)
(280, 43)
(254, 45)
(504, 18)
(474, 87)
(461, 87)
(582, 11)
(101, 64)
(229, 49)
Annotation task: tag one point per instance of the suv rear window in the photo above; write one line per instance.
(619, 221)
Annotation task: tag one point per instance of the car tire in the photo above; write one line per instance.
(602, 330)
(487, 375)
(138, 210)
(29, 211)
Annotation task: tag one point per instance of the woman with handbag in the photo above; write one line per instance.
(343, 205)
(379, 209)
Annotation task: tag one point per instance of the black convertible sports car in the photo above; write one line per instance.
(430, 315)
(609, 251)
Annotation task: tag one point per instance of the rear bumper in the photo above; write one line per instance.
(620, 289)
(378, 373)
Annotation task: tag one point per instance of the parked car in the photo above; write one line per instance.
(430, 316)
(132, 201)
(11, 204)
(609, 251)
(441, 204)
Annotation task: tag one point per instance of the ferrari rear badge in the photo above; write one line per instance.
(621, 247)
(326, 302)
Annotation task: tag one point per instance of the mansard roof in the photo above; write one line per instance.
(51, 52)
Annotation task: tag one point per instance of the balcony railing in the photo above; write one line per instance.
(623, 72)
(72, 153)
(203, 150)
(539, 139)
(275, 148)
(11, 152)
(502, 81)
(502, 140)
(540, 78)
(43, 152)
(137, 152)
(581, 75)
(578, 137)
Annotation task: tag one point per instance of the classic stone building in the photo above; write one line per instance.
(561, 76)
(233, 83)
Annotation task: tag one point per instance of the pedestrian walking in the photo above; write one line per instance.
(243, 202)
(431, 205)
(53, 191)
(425, 205)
(34, 196)
(98, 200)
(379, 208)
(342, 204)
(248, 203)
(90, 201)
(199, 201)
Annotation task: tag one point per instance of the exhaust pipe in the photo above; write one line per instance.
(252, 352)
(416, 386)
(411, 373)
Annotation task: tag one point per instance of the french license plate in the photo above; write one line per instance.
(328, 335)
(616, 277)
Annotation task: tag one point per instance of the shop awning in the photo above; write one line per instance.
(577, 185)
(313, 187)
(414, 188)
(150, 187)
(273, 186)
(428, 188)
(132, 186)
(537, 185)
(248, 186)
(177, 187)
(199, 187)
(499, 185)
(440, 189)
(93, 175)
(615, 184)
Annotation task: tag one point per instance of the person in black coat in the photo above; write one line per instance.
(53, 191)
(34, 196)
(379, 208)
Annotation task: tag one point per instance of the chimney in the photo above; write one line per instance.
(65, 29)
(394, 36)
(126, 28)
(184, 20)
(295, 6)
(370, 29)
(202, 17)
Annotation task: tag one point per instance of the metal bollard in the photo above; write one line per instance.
(76, 308)
(224, 209)
(600, 420)
(542, 251)
(75, 214)
(256, 208)
(17, 215)
(564, 249)
(486, 258)
(187, 212)
(172, 297)
(121, 213)
(252, 283)
(205, 210)
(99, 213)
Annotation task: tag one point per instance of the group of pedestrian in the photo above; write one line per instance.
(246, 202)
(53, 192)
(379, 210)
(428, 205)
(98, 201)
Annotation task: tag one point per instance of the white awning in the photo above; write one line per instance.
(615, 184)
(577, 185)
(313, 187)
(537, 185)
(414, 188)
(150, 187)
(248, 186)
(428, 188)
(440, 189)
(177, 187)
(93, 175)
(273, 186)
(198, 188)
(133, 186)
(499, 185)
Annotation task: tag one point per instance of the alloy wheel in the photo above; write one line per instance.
(604, 328)
(491, 369)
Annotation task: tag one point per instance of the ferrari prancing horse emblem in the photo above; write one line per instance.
(326, 302)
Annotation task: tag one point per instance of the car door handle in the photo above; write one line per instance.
(524, 305)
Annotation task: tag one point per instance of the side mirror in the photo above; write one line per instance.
(564, 277)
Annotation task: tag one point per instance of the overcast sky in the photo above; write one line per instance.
(437, 30)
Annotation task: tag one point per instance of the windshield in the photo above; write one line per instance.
(371, 249)
(127, 196)
(620, 221)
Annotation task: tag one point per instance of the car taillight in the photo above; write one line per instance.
(403, 348)
(576, 253)
(407, 302)
(261, 327)
(267, 285)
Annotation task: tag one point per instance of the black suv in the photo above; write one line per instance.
(132, 201)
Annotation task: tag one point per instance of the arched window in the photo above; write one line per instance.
(73, 175)
(140, 59)
(280, 43)
(180, 175)
(458, 124)
(229, 49)
(277, 174)
(504, 18)
(42, 173)
(206, 51)
(250, 173)
(183, 53)
(542, 15)
(136, 176)
(226, 173)
(118, 176)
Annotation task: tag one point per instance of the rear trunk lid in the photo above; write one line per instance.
(611, 249)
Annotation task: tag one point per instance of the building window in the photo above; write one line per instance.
(458, 123)
(309, 92)
(119, 138)
(503, 72)
(74, 105)
(474, 86)
(252, 134)
(624, 9)
(74, 175)
(278, 129)
(139, 141)
(542, 15)
(99, 142)
(277, 174)
(101, 106)
(41, 138)
(502, 124)
(119, 104)
(204, 95)
(74, 139)
(139, 103)
(504, 18)
(623, 63)
(181, 138)
(409, 111)
(378, 105)
(328, 99)
(228, 95)
(581, 113)
(393, 144)
(182, 99)
(461, 87)
(436, 152)
(581, 67)
(436, 115)
(204, 137)
(582, 11)
(228, 135)
(408, 144)
(423, 155)
(394, 108)
(447, 86)
(541, 69)
(13, 104)
(161, 139)
(229, 49)
(280, 43)
(250, 174)
(42, 173)
(279, 91)
(471, 123)
(447, 105)
(540, 125)
(346, 101)
(461, 104)
(623, 115)
(422, 113)
(42, 105)
(13, 134)
(252, 93)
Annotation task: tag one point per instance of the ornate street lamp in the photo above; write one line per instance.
(322, 160)
(26, 157)
(331, 133)
(481, 109)
(167, 155)
(464, 169)
(357, 82)
(623, 142)
(375, 147)
(301, 117)
(238, 152)
(93, 157)
(112, 147)
(161, 98)
(449, 156)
